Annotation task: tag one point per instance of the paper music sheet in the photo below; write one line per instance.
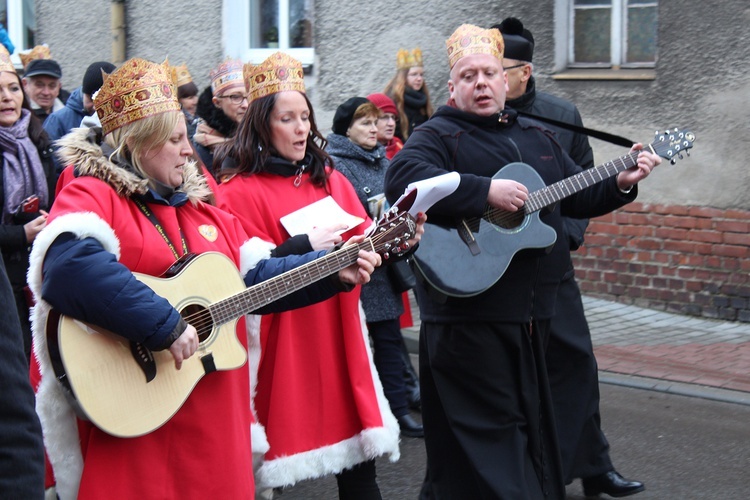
(428, 192)
(322, 213)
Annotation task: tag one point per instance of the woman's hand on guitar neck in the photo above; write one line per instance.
(185, 346)
(359, 273)
(507, 194)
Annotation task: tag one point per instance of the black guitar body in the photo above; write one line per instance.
(458, 269)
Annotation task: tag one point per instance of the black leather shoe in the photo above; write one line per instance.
(410, 427)
(413, 398)
(612, 484)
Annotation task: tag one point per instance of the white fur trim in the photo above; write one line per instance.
(55, 413)
(83, 225)
(253, 251)
(332, 459)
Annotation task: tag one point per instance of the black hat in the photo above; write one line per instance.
(519, 42)
(47, 67)
(93, 79)
(345, 113)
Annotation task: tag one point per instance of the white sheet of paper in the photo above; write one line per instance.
(430, 191)
(322, 213)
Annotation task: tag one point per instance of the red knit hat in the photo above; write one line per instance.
(383, 102)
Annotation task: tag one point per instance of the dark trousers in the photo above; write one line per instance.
(389, 361)
(487, 413)
(359, 482)
(574, 382)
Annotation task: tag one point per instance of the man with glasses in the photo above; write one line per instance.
(571, 365)
(221, 107)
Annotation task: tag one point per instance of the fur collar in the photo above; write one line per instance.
(81, 148)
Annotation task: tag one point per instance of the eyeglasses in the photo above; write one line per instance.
(234, 98)
(515, 66)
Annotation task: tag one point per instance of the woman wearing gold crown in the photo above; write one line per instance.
(409, 91)
(136, 205)
(317, 393)
(26, 184)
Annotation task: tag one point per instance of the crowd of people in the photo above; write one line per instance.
(137, 168)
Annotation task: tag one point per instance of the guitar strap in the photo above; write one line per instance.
(598, 134)
(151, 217)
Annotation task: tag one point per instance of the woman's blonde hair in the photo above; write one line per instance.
(135, 139)
(395, 90)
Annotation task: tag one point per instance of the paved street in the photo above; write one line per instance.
(675, 407)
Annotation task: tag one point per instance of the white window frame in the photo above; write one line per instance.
(15, 28)
(564, 36)
(236, 34)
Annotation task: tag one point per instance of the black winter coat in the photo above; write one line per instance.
(477, 147)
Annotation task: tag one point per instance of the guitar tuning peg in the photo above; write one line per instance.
(673, 161)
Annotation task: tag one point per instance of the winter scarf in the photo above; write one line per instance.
(23, 174)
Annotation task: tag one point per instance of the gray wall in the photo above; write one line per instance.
(79, 33)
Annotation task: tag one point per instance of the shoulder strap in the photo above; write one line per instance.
(604, 136)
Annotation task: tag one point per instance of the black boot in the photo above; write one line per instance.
(611, 483)
(411, 380)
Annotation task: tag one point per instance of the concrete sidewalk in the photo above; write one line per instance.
(649, 349)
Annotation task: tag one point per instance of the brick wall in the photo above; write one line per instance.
(687, 260)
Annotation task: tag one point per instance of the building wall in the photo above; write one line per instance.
(79, 33)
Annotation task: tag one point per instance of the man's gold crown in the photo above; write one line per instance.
(469, 39)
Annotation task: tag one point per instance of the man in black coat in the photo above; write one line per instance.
(487, 413)
(21, 449)
(571, 365)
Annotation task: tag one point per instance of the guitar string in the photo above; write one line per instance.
(203, 322)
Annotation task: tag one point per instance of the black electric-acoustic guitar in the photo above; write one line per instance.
(467, 259)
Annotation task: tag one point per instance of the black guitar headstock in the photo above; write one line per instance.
(672, 143)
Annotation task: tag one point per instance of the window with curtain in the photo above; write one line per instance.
(613, 33)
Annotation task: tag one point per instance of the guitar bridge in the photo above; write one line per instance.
(467, 236)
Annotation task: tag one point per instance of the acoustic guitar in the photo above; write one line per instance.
(470, 257)
(127, 390)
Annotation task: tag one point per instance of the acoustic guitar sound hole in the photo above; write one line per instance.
(507, 220)
(200, 318)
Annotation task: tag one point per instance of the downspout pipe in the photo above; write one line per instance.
(118, 31)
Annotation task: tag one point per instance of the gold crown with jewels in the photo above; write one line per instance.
(181, 75)
(5, 63)
(38, 52)
(136, 90)
(278, 73)
(406, 59)
(226, 76)
(469, 39)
